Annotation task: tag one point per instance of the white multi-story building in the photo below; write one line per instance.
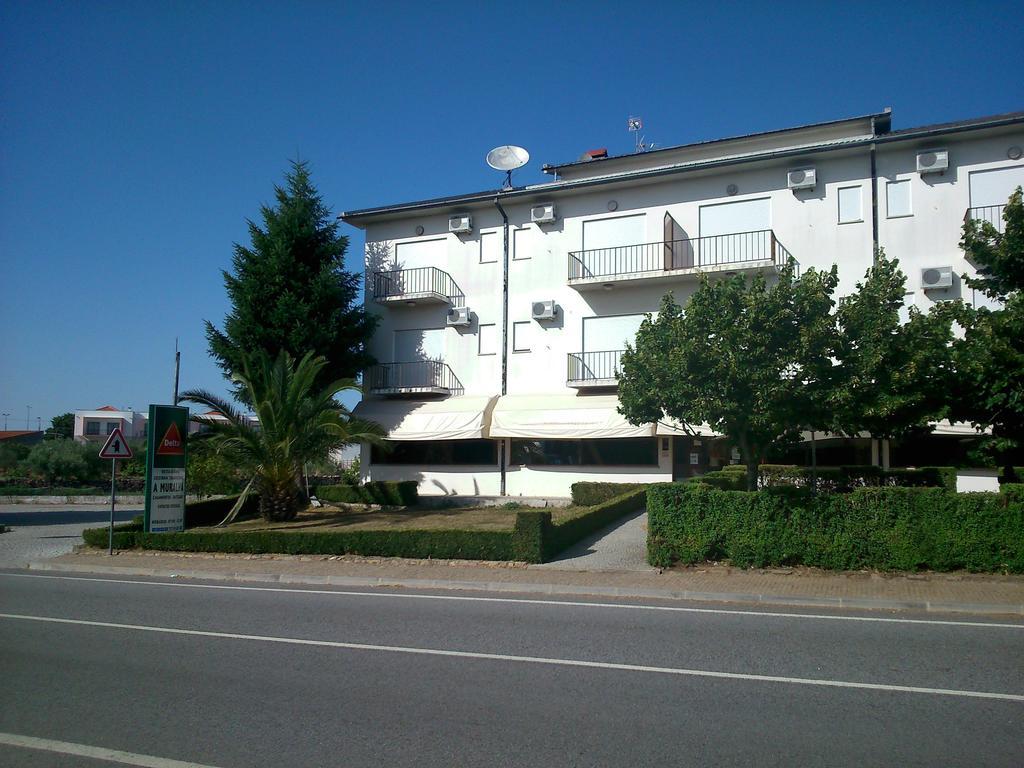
(503, 313)
(98, 424)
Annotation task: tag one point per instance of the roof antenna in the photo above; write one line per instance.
(507, 158)
(635, 125)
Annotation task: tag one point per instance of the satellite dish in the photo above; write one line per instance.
(507, 158)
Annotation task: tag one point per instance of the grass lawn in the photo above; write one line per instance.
(355, 518)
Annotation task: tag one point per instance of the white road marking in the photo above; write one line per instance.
(527, 659)
(96, 753)
(532, 601)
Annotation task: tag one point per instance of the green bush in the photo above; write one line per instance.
(394, 494)
(65, 461)
(883, 528)
(847, 478)
(726, 481)
(532, 530)
(587, 494)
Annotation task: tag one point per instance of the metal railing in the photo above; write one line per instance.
(417, 376)
(399, 283)
(993, 214)
(696, 252)
(587, 367)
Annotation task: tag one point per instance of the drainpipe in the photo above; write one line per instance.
(874, 198)
(502, 459)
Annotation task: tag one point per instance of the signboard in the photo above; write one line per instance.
(116, 446)
(165, 468)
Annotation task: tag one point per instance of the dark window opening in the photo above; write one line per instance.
(463, 452)
(616, 452)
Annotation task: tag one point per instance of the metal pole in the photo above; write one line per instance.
(177, 367)
(113, 500)
(814, 463)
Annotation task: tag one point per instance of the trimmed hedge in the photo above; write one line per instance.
(725, 480)
(587, 494)
(385, 493)
(533, 538)
(883, 528)
(830, 479)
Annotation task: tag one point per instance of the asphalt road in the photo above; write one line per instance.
(233, 675)
(40, 531)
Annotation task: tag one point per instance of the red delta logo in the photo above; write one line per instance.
(171, 444)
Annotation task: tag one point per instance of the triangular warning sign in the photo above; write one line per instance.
(171, 444)
(116, 446)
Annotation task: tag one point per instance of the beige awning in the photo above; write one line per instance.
(562, 417)
(454, 418)
(961, 428)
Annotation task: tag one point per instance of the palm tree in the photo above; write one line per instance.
(294, 424)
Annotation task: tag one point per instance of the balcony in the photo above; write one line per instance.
(594, 369)
(421, 285)
(422, 377)
(681, 259)
(993, 214)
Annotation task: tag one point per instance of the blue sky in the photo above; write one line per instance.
(136, 138)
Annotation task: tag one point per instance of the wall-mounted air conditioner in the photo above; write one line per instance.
(802, 178)
(545, 310)
(459, 317)
(543, 213)
(932, 161)
(937, 277)
(460, 224)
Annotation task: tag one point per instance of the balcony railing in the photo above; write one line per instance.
(993, 214)
(420, 284)
(594, 369)
(697, 253)
(431, 377)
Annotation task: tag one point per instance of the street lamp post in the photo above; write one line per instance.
(5, 415)
(28, 417)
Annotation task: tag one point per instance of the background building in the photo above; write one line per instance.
(498, 365)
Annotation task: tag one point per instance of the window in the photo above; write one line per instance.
(111, 426)
(92, 427)
(614, 232)
(897, 197)
(850, 205)
(419, 344)
(607, 334)
(615, 452)
(520, 244)
(733, 218)
(491, 244)
(488, 338)
(994, 187)
(436, 452)
(421, 253)
(521, 336)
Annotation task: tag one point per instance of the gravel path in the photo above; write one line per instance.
(40, 531)
(621, 546)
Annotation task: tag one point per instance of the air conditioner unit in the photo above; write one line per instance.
(459, 317)
(543, 213)
(932, 161)
(460, 224)
(545, 310)
(937, 277)
(802, 178)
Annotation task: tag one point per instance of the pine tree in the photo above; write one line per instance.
(290, 291)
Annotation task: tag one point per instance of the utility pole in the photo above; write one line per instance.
(39, 424)
(28, 417)
(5, 415)
(177, 368)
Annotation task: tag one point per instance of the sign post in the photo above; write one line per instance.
(115, 448)
(165, 469)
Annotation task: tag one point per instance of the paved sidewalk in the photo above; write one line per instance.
(956, 593)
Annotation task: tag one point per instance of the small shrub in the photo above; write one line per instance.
(394, 494)
(587, 494)
(532, 529)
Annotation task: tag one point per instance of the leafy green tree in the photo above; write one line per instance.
(748, 359)
(299, 421)
(989, 358)
(65, 461)
(211, 472)
(290, 291)
(892, 378)
(61, 427)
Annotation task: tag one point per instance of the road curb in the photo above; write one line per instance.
(796, 601)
